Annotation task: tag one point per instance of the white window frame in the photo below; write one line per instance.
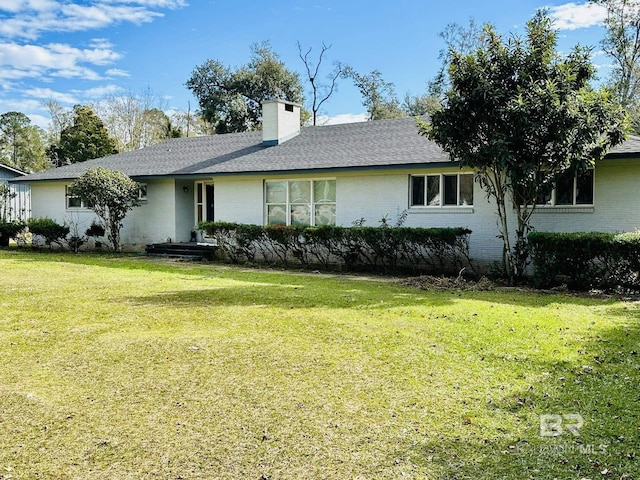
(200, 205)
(312, 203)
(68, 197)
(553, 201)
(441, 205)
(143, 190)
(142, 197)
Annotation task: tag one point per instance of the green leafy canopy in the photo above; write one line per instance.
(110, 194)
(521, 115)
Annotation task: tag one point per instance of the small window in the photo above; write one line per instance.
(142, 192)
(73, 201)
(417, 191)
(451, 190)
(564, 190)
(288, 107)
(439, 190)
(584, 188)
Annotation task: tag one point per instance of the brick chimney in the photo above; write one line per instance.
(280, 121)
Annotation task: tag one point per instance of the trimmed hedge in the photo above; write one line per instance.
(586, 260)
(442, 250)
(50, 230)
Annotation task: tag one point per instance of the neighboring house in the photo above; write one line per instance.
(19, 205)
(334, 174)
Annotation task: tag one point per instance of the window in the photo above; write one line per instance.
(142, 192)
(441, 190)
(73, 201)
(76, 202)
(300, 202)
(571, 190)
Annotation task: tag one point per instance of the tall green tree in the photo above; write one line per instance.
(521, 116)
(418, 105)
(622, 43)
(463, 39)
(111, 195)
(85, 139)
(21, 144)
(231, 99)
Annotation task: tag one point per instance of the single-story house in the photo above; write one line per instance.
(335, 174)
(18, 205)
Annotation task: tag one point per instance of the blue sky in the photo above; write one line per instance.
(75, 52)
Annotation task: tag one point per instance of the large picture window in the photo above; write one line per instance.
(300, 202)
(441, 190)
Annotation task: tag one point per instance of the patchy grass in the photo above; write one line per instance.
(120, 367)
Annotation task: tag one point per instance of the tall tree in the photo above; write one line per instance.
(85, 139)
(622, 44)
(190, 124)
(320, 93)
(21, 144)
(522, 117)
(457, 38)
(378, 96)
(61, 118)
(135, 120)
(419, 105)
(231, 99)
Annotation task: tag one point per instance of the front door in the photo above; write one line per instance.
(208, 196)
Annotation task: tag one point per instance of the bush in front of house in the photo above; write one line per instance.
(49, 230)
(442, 250)
(10, 229)
(586, 260)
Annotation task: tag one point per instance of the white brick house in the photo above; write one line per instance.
(332, 174)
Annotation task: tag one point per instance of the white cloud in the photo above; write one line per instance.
(40, 120)
(116, 72)
(54, 60)
(45, 94)
(99, 92)
(31, 18)
(572, 16)
(342, 118)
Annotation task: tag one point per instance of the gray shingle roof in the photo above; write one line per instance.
(381, 143)
(629, 148)
(378, 144)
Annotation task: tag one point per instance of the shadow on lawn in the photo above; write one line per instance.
(302, 295)
(601, 388)
(276, 278)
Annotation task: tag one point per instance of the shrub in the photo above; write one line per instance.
(372, 248)
(50, 230)
(95, 230)
(586, 260)
(9, 230)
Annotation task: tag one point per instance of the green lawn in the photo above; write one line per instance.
(126, 368)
